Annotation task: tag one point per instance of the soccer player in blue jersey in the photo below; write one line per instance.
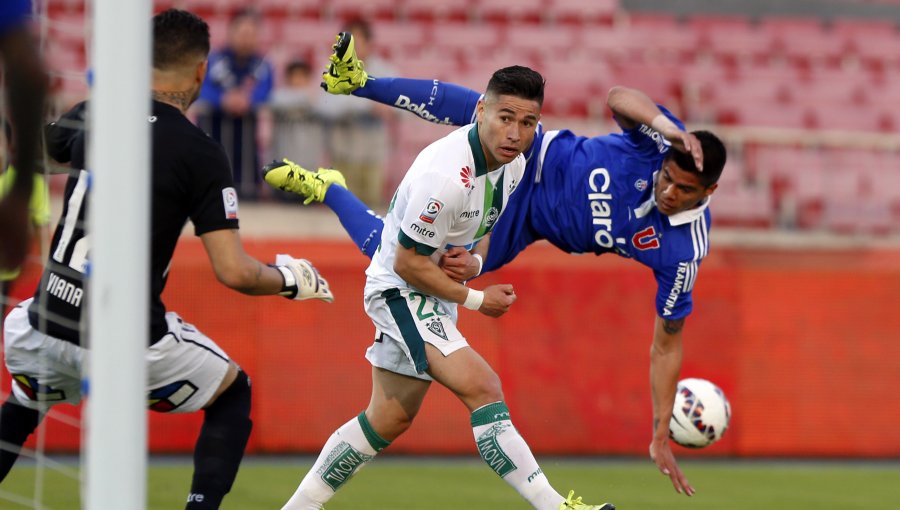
(627, 193)
(26, 85)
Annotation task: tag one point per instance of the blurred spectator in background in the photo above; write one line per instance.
(298, 133)
(359, 132)
(238, 82)
(39, 217)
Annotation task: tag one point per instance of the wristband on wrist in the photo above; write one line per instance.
(474, 299)
(480, 263)
(289, 289)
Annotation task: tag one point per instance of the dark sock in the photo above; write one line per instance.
(220, 447)
(16, 424)
(363, 225)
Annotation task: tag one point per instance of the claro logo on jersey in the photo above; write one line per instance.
(431, 210)
(645, 239)
(601, 211)
(230, 201)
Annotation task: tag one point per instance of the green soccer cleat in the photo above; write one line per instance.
(346, 71)
(289, 176)
(576, 504)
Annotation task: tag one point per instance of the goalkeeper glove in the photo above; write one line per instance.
(302, 280)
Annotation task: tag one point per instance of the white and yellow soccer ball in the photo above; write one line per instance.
(701, 413)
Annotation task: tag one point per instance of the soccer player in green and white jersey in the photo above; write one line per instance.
(451, 197)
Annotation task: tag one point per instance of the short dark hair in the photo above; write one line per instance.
(177, 37)
(518, 81)
(714, 156)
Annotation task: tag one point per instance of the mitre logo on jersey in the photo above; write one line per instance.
(645, 239)
(431, 210)
(230, 201)
(468, 179)
(640, 184)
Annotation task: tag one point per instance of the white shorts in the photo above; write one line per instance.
(405, 320)
(184, 369)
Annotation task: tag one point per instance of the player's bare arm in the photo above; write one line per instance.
(633, 107)
(420, 272)
(665, 365)
(237, 270)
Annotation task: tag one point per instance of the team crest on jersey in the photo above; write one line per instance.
(36, 391)
(468, 179)
(645, 239)
(437, 327)
(170, 396)
(640, 184)
(230, 201)
(431, 210)
(492, 216)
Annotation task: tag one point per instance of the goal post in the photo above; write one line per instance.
(119, 223)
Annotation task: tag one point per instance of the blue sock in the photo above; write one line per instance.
(363, 225)
(433, 100)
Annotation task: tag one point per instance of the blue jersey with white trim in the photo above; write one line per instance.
(584, 195)
(595, 195)
(13, 13)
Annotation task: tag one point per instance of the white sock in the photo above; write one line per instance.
(347, 450)
(504, 451)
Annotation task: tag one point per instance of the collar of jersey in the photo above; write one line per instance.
(675, 219)
(477, 152)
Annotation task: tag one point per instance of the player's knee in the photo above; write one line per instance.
(484, 391)
(390, 423)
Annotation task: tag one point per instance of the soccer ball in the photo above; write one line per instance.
(701, 413)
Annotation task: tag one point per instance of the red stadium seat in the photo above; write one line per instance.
(431, 11)
(464, 39)
(389, 37)
(371, 10)
(584, 12)
(542, 41)
(522, 11)
(849, 118)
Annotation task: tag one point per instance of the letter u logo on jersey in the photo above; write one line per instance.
(645, 239)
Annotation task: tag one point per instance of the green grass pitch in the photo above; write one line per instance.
(399, 483)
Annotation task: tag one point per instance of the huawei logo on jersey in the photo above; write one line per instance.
(468, 179)
(645, 239)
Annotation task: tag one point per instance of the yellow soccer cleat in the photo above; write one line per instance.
(346, 72)
(289, 176)
(576, 504)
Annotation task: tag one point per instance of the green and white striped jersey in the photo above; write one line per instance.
(447, 198)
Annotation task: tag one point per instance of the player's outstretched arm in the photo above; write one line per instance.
(292, 278)
(432, 100)
(665, 365)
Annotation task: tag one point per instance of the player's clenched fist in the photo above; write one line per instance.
(302, 280)
(497, 299)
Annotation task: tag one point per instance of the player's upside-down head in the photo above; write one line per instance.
(680, 185)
